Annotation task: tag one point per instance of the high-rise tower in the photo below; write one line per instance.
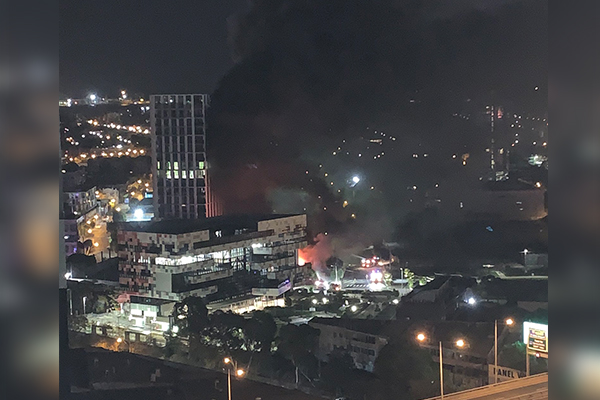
(179, 155)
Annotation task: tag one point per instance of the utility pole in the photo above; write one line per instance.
(441, 374)
(492, 142)
(496, 351)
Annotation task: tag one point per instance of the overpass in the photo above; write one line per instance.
(530, 388)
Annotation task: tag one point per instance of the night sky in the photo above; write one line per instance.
(315, 77)
(148, 47)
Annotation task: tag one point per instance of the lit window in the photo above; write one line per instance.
(176, 173)
(201, 164)
(176, 165)
(158, 165)
(191, 174)
(168, 174)
(168, 164)
(183, 174)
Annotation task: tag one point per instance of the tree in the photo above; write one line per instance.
(78, 323)
(191, 315)
(406, 371)
(225, 330)
(298, 344)
(260, 331)
(337, 373)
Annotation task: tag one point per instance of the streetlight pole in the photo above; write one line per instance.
(229, 383)
(441, 374)
(508, 322)
(239, 372)
(460, 343)
(495, 351)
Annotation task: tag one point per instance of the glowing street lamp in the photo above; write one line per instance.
(508, 322)
(239, 372)
(460, 343)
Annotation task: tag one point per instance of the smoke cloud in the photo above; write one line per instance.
(310, 74)
(316, 254)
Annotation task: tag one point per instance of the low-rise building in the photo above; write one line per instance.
(79, 200)
(360, 338)
(465, 348)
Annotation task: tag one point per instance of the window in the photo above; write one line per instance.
(183, 174)
(176, 174)
(201, 164)
(158, 165)
(218, 234)
(176, 165)
(168, 174)
(191, 174)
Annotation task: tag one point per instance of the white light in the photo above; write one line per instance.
(138, 213)
(355, 179)
(395, 301)
(175, 329)
(353, 308)
(471, 301)
(315, 301)
(93, 97)
(68, 275)
(325, 301)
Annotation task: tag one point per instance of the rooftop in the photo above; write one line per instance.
(370, 326)
(180, 226)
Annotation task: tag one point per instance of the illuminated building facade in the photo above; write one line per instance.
(179, 155)
(174, 259)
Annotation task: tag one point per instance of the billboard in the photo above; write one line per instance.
(504, 373)
(535, 337)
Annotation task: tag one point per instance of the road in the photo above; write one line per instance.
(530, 388)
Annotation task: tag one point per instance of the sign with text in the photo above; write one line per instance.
(504, 374)
(535, 337)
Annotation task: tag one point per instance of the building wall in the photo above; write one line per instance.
(463, 369)
(79, 203)
(164, 265)
(364, 348)
(179, 155)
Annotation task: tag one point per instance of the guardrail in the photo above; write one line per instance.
(501, 388)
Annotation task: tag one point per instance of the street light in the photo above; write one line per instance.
(459, 343)
(508, 322)
(121, 340)
(238, 371)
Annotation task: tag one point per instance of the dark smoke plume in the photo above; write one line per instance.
(310, 72)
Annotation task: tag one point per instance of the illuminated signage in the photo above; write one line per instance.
(535, 337)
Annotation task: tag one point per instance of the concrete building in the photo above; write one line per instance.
(70, 235)
(216, 258)
(178, 124)
(360, 338)
(79, 200)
